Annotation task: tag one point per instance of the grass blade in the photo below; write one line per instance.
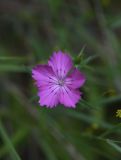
(117, 147)
(13, 154)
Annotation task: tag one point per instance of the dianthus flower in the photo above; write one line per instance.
(58, 82)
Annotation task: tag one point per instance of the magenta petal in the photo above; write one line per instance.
(76, 79)
(69, 97)
(61, 63)
(49, 96)
(43, 75)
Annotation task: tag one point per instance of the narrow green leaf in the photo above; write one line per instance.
(111, 130)
(22, 59)
(13, 68)
(13, 154)
(117, 147)
(87, 118)
(16, 139)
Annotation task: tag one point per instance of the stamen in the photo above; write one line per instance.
(61, 82)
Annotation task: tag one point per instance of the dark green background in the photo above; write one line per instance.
(30, 30)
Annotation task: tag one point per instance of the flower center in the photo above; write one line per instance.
(60, 82)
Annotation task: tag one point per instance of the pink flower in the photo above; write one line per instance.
(58, 81)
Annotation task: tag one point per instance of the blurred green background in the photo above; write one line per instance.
(30, 30)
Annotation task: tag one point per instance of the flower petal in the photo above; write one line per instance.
(43, 75)
(49, 96)
(76, 79)
(69, 97)
(61, 63)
